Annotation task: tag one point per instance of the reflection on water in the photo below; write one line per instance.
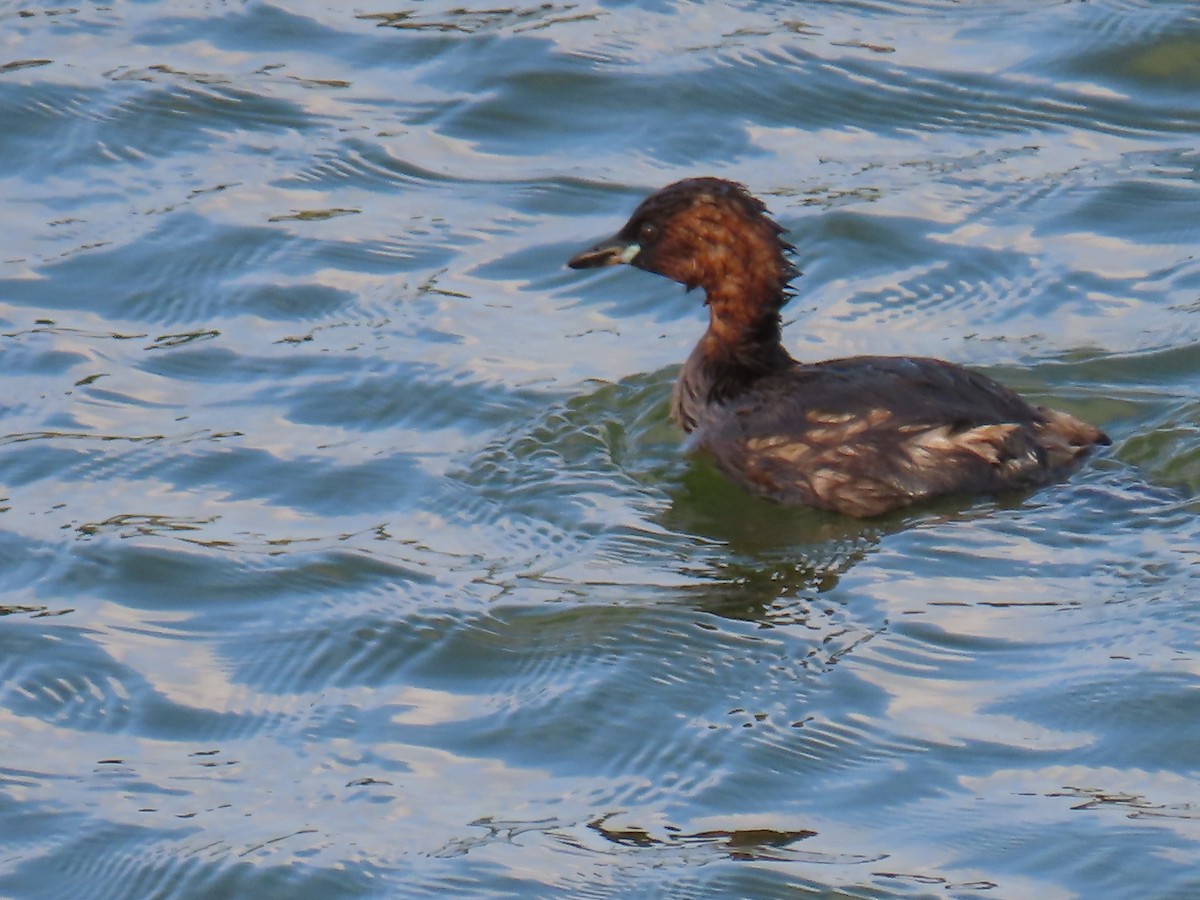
(347, 548)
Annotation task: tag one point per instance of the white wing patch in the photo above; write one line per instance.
(988, 442)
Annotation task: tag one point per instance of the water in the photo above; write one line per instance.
(347, 549)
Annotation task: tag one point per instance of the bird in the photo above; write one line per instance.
(861, 436)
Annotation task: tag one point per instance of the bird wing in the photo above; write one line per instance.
(870, 434)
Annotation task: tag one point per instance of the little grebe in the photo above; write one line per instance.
(860, 436)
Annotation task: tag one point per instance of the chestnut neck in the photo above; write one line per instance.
(744, 340)
(741, 346)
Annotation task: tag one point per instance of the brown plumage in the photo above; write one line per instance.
(860, 436)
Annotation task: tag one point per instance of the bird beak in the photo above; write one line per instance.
(615, 251)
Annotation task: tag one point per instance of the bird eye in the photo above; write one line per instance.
(647, 233)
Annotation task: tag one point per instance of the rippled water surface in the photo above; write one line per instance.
(347, 549)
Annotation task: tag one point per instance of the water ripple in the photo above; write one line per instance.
(347, 547)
